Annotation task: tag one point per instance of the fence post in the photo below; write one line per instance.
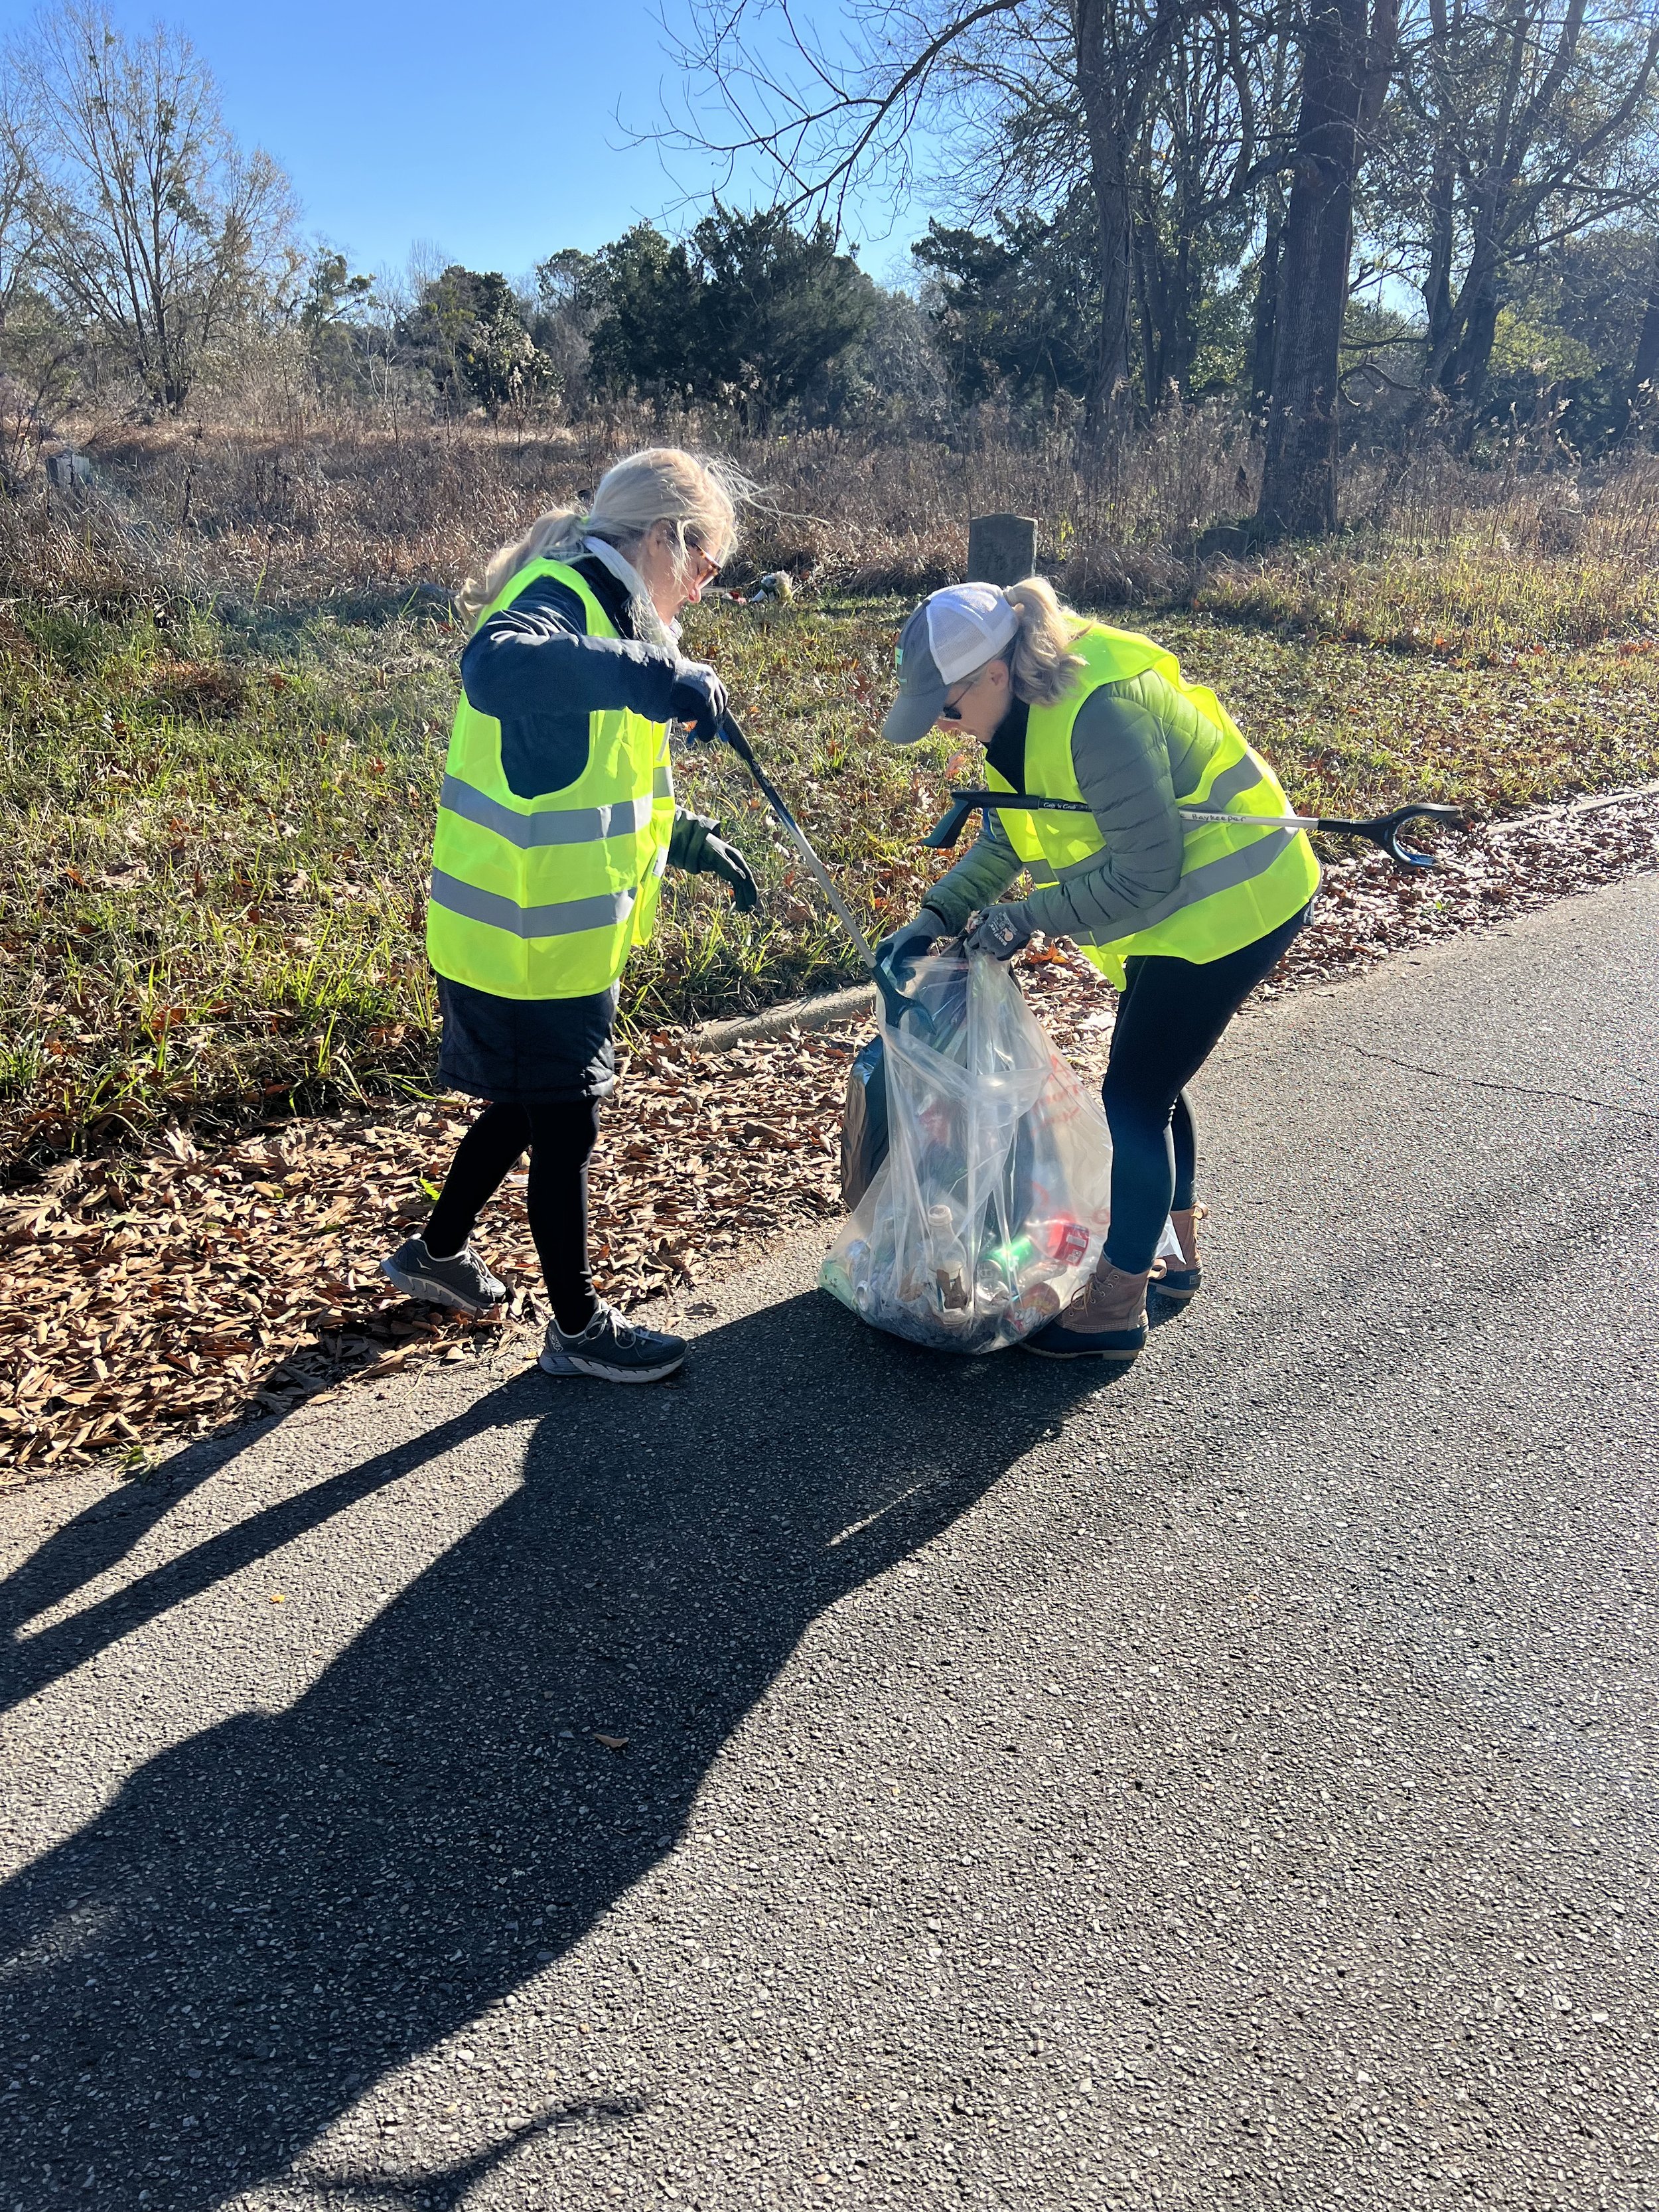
(1001, 548)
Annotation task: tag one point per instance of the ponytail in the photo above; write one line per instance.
(1041, 659)
(699, 498)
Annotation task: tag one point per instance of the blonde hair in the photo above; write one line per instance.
(698, 498)
(1041, 661)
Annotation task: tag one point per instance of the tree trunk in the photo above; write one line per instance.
(1147, 311)
(1437, 288)
(1267, 311)
(1645, 368)
(1181, 320)
(1106, 127)
(1479, 304)
(1298, 481)
(1266, 318)
(1112, 396)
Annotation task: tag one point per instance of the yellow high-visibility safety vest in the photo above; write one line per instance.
(545, 898)
(1236, 882)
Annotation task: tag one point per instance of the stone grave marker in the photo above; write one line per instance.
(1001, 548)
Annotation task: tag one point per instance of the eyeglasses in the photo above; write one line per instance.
(708, 569)
(951, 709)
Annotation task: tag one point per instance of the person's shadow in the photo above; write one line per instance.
(273, 1913)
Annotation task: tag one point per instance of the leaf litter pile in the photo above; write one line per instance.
(154, 1296)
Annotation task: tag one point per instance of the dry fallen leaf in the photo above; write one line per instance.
(611, 1743)
(162, 1295)
(155, 1296)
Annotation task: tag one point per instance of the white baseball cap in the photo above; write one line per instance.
(951, 634)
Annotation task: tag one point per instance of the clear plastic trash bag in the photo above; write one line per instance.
(989, 1212)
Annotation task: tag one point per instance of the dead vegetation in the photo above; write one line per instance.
(354, 513)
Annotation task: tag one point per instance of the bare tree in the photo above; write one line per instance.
(1518, 124)
(36, 349)
(1347, 58)
(20, 194)
(829, 109)
(1122, 48)
(1276, 58)
(162, 236)
(1193, 174)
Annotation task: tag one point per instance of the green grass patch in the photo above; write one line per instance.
(216, 834)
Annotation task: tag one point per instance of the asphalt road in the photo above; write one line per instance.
(1231, 1787)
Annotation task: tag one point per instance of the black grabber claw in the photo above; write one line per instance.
(895, 1003)
(1383, 830)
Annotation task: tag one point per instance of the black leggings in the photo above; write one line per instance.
(559, 1137)
(1170, 1019)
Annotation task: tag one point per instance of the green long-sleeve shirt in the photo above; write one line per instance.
(1135, 746)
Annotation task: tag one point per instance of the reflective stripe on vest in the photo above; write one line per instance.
(563, 920)
(545, 897)
(570, 825)
(1236, 884)
(1232, 784)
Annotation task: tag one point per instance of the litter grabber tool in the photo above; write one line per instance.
(897, 1003)
(1383, 830)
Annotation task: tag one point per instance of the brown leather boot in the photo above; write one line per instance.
(1106, 1319)
(1179, 1283)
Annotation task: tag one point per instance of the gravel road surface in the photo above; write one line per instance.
(852, 1777)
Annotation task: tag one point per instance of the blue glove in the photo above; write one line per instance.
(698, 698)
(999, 931)
(899, 953)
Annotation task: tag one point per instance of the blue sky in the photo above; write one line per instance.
(491, 134)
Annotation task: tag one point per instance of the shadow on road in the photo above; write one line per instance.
(273, 1913)
(86, 1547)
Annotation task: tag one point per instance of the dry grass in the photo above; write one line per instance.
(1471, 564)
(358, 517)
(347, 511)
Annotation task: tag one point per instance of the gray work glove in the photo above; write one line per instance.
(697, 847)
(999, 933)
(899, 953)
(697, 699)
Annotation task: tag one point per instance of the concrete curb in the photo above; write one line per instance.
(822, 1012)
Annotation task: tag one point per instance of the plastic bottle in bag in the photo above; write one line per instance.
(951, 1283)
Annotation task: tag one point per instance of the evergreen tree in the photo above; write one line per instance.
(468, 332)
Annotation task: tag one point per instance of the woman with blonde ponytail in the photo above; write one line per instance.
(554, 823)
(1130, 797)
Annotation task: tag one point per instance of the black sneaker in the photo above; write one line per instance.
(464, 1282)
(612, 1350)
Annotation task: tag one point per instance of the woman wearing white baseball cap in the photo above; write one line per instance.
(1185, 918)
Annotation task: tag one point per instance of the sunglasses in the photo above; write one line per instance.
(708, 569)
(951, 710)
